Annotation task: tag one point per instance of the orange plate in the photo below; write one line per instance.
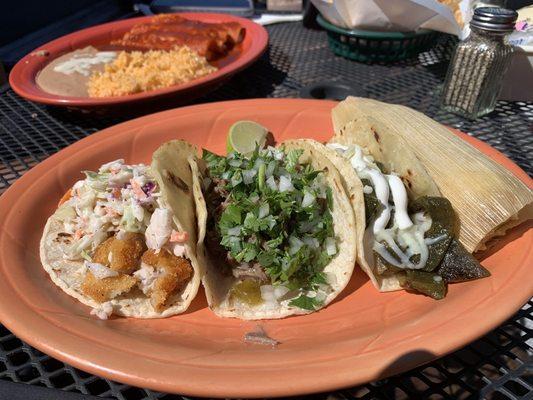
(22, 77)
(364, 335)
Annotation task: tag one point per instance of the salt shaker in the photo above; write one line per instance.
(476, 72)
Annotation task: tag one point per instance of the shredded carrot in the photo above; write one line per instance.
(179, 237)
(137, 189)
(115, 193)
(78, 234)
(66, 197)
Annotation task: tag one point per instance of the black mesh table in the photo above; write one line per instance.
(497, 366)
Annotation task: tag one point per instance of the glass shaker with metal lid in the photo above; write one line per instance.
(476, 71)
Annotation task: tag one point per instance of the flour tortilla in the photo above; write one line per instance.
(217, 285)
(172, 162)
(395, 156)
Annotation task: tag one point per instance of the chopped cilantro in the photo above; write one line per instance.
(260, 223)
(305, 302)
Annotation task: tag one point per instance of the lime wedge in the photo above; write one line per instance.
(244, 136)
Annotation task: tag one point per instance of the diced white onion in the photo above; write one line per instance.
(320, 296)
(278, 154)
(271, 183)
(331, 246)
(267, 293)
(280, 291)
(258, 163)
(308, 199)
(264, 210)
(295, 244)
(311, 242)
(248, 176)
(285, 184)
(270, 169)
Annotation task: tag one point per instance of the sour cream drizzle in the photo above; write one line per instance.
(82, 63)
(404, 233)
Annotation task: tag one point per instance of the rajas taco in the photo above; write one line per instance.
(123, 240)
(279, 235)
(407, 232)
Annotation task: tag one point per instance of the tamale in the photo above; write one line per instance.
(487, 197)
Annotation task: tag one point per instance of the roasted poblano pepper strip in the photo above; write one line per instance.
(373, 206)
(458, 265)
(426, 283)
(443, 223)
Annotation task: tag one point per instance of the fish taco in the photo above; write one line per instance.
(279, 235)
(123, 240)
(407, 232)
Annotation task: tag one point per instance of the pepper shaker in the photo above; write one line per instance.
(476, 72)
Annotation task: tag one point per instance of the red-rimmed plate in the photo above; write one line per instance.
(22, 76)
(364, 335)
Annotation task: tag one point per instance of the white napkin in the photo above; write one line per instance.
(394, 15)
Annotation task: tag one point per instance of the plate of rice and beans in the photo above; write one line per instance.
(169, 55)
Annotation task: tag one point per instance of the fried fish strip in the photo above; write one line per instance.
(176, 272)
(105, 289)
(121, 255)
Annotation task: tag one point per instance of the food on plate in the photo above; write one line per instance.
(487, 198)
(166, 31)
(69, 74)
(406, 236)
(168, 50)
(408, 232)
(134, 72)
(279, 232)
(123, 240)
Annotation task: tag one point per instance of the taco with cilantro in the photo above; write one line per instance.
(276, 231)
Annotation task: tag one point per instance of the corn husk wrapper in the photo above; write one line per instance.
(487, 198)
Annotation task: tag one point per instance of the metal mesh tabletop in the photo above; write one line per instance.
(497, 366)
